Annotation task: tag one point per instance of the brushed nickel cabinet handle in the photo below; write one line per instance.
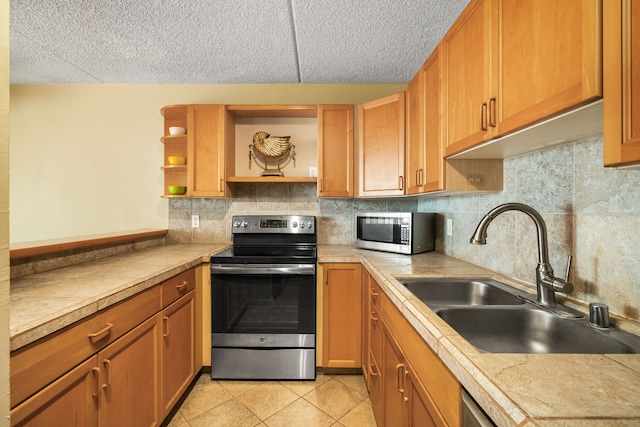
(401, 182)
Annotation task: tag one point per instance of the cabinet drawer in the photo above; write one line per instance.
(376, 333)
(38, 364)
(68, 401)
(374, 293)
(178, 286)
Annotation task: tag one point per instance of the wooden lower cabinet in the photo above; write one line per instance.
(130, 378)
(342, 316)
(408, 384)
(419, 407)
(72, 400)
(364, 324)
(134, 380)
(178, 358)
(395, 413)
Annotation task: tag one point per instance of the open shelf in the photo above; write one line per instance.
(273, 110)
(271, 179)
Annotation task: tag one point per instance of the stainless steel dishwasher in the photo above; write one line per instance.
(472, 414)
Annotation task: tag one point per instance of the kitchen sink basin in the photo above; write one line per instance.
(460, 291)
(528, 329)
(497, 318)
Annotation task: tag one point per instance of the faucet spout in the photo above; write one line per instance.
(546, 283)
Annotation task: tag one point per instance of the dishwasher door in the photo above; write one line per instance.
(472, 414)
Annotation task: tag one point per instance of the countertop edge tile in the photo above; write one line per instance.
(501, 409)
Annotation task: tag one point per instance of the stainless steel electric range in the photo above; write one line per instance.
(263, 300)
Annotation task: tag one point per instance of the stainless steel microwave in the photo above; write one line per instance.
(399, 232)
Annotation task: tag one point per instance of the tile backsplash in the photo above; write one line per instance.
(591, 213)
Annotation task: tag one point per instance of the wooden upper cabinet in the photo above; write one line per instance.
(335, 150)
(511, 63)
(415, 139)
(425, 161)
(381, 146)
(547, 57)
(466, 77)
(621, 31)
(210, 133)
(433, 178)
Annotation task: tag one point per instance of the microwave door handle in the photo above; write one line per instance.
(296, 269)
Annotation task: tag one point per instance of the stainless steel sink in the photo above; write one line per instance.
(497, 318)
(529, 329)
(454, 291)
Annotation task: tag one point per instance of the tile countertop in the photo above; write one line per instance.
(514, 389)
(43, 303)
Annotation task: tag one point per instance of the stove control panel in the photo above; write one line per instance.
(283, 224)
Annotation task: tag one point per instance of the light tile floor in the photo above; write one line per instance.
(330, 400)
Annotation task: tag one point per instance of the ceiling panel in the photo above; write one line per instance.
(224, 41)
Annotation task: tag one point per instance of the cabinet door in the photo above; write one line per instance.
(375, 390)
(364, 323)
(381, 153)
(341, 316)
(466, 77)
(546, 57)
(393, 383)
(178, 350)
(335, 150)
(421, 410)
(415, 147)
(130, 388)
(72, 400)
(206, 150)
(621, 30)
(433, 176)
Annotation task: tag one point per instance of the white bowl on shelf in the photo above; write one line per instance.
(177, 130)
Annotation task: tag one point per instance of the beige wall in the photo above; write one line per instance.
(85, 159)
(4, 213)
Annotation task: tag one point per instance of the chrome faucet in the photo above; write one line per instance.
(546, 284)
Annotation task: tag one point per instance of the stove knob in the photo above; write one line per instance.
(302, 225)
(294, 224)
(309, 225)
(236, 224)
(244, 224)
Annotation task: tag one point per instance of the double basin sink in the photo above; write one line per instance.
(497, 318)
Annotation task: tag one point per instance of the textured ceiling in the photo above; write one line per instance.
(224, 41)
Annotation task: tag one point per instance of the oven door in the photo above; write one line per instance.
(263, 305)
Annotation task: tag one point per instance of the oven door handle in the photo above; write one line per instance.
(297, 269)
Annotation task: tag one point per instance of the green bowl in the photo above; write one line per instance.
(177, 189)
